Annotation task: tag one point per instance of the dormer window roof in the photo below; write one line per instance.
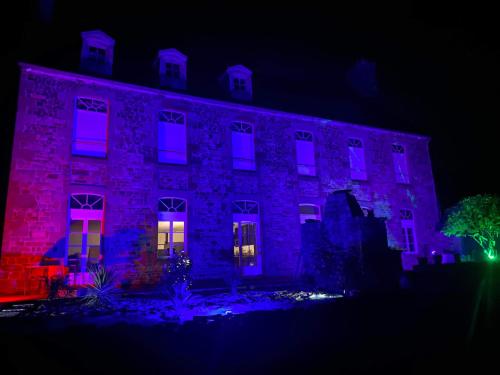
(238, 82)
(97, 52)
(172, 68)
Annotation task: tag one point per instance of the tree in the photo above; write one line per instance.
(477, 217)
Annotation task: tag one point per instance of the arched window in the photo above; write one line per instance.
(246, 237)
(304, 146)
(245, 207)
(172, 137)
(408, 229)
(172, 219)
(86, 201)
(309, 211)
(85, 235)
(243, 145)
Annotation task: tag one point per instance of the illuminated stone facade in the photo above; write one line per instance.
(44, 174)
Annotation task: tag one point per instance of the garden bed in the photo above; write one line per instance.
(153, 309)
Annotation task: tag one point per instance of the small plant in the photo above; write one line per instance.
(100, 294)
(180, 297)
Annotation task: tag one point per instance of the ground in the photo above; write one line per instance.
(413, 331)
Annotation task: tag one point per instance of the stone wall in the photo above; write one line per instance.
(44, 174)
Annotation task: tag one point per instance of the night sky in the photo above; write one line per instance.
(437, 66)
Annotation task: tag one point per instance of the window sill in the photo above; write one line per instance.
(244, 170)
(167, 163)
(95, 157)
(308, 176)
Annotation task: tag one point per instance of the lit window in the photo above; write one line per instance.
(309, 211)
(400, 167)
(171, 227)
(243, 146)
(357, 159)
(172, 137)
(172, 70)
(246, 246)
(306, 164)
(408, 231)
(85, 232)
(90, 127)
(239, 84)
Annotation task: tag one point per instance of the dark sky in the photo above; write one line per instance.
(437, 65)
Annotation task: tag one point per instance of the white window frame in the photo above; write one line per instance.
(245, 211)
(85, 213)
(357, 159)
(171, 118)
(81, 145)
(315, 216)
(305, 138)
(407, 224)
(243, 132)
(172, 214)
(400, 163)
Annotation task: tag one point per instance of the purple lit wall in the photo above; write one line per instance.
(44, 174)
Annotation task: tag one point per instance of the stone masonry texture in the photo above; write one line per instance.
(44, 174)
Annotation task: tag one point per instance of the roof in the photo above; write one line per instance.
(209, 101)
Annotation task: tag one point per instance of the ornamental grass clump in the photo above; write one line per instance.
(102, 292)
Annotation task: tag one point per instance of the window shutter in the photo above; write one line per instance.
(357, 161)
(305, 157)
(90, 132)
(400, 168)
(172, 138)
(243, 151)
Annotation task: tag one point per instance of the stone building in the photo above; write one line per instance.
(103, 169)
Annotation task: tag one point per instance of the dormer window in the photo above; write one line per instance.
(237, 82)
(172, 68)
(97, 52)
(172, 71)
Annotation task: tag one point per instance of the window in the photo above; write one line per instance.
(243, 146)
(172, 137)
(97, 55)
(90, 127)
(357, 159)
(309, 211)
(239, 84)
(171, 227)
(408, 229)
(173, 70)
(400, 167)
(85, 234)
(304, 146)
(246, 247)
